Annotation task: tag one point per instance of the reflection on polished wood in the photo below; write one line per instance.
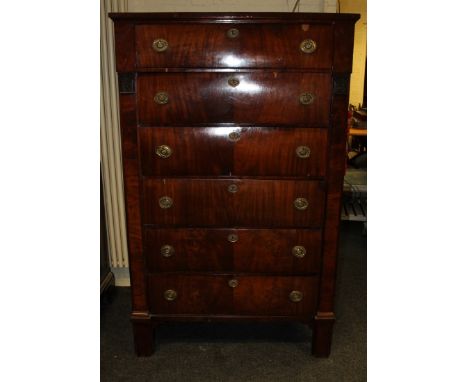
(208, 203)
(260, 98)
(255, 250)
(251, 46)
(212, 294)
(255, 151)
(233, 137)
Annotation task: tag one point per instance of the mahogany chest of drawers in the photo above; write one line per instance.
(233, 132)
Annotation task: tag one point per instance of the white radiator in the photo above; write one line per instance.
(111, 162)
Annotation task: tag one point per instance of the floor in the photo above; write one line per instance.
(246, 352)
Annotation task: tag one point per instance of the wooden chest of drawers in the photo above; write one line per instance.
(233, 134)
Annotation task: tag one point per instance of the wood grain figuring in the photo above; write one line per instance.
(267, 151)
(208, 46)
(201, 151)
(270, 295)
(260, 98)
(208, 203)
(325, 318)
(132, 200)
(233, 121)
(255, 251)
(337, 160)
(323, 332)
(343, 52)
(212, 294)
(125, 59)
(143, 332)
(195, 294)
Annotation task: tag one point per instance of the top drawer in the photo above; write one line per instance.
(234, 46)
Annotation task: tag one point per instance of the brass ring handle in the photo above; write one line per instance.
(164, 151)
(299, 251)
(232, 238)
(160, 45)
(233, 188)
(165, 202)
(167, 250)
(301, 204)
(233, 283)
(161, 98)
(233, 81)
(170, 295)
(234, 136)
(232, 33)
(295, 296)
(303, 152)
(306, 98)
(308, 46)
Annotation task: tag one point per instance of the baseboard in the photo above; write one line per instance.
(122, 277)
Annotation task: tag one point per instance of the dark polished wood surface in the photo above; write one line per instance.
(128, 130)
(265, 46)
(260, 97)
(255, 251)
(259, 151)
(211, 294)
(233, 121)
(209, 203)
(222, 17)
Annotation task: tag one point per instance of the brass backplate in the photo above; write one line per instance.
(306, 98)
(233, 33)
(160, 45)
(233, 81)
(163, 151)
(303, 152)
(165, 202)
(170, 295)
(295, 296)
(308, 46)
(161, 98)
(299, 251)
(234, 136)
(167, 250)
(232, 238)
(301, 204)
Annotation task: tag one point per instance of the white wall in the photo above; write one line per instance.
(356, 91)
(230, 5)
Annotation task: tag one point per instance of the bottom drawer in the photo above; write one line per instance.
(233, 295)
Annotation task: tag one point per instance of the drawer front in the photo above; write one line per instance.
(236, 202)
(261, 295)
(194, 294)
(273, 98)
(218, 46)
(247, 151)
(231, 294)
(214, 250)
